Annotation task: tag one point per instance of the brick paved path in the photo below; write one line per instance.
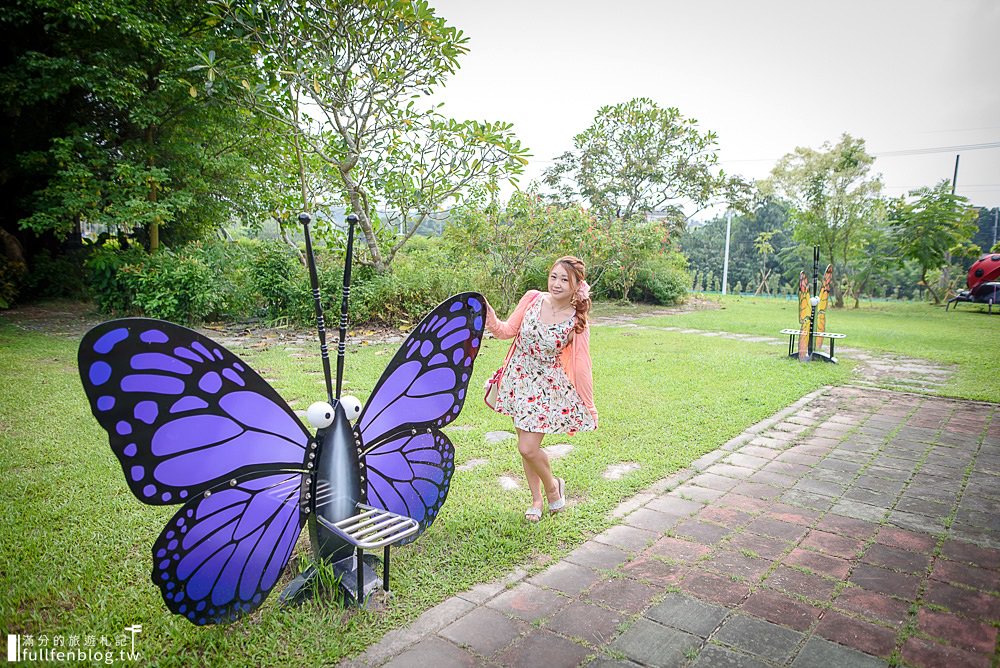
(856, 527)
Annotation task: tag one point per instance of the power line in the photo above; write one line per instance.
(960, 185)
(938, 149)
(904, 152)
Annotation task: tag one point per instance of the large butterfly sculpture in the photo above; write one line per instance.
(192, 424)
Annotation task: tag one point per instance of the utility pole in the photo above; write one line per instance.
(946, 271)
(996, 215)
(725, 262)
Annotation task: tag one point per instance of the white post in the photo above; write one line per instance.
(725, 263)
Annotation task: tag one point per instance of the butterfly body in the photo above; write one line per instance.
(192, 424)
(334, 486)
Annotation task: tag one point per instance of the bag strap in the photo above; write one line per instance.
(513, 345)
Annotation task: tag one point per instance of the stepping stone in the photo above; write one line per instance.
(508, 483)
(558, 450)
(494, 437)
(471, 464)
(619, 471)
(459, 427)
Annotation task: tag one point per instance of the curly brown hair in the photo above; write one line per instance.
(577, 272)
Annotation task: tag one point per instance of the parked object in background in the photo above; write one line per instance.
(983, 282)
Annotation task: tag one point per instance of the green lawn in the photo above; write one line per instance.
(75, 548)
(969, 337)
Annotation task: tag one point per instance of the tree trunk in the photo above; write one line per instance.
(283, 233)
(154, 226)
(359, 209)
(923, 281)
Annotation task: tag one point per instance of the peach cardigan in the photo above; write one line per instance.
(575, 357)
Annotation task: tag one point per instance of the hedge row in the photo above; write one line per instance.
(264, 281)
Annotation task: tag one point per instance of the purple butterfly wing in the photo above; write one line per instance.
(409, 475)
(183, 414)
(407, 461)
(222, 552)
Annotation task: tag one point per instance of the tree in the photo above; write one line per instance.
(834, 198)
(505, 240)
(874, 262)
(933, 223)
(705, 244)
(762, 244)
(637, 158)
(108, 124)
(345, 80)
(989, 228)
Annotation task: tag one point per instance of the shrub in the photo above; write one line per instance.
(12, 268)
(52, 276)
(418, 282)
(104, 283)
(663, 280)
(536, 275)
(12, 274)
(172, 286)
(232, 271)
(278, 282)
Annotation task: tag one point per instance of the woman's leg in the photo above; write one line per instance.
(534, 482)
(536, 467)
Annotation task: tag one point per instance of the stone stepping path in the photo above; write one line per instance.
(619, 471)
(472, 464)
(509, 483)
(494, 437)
(558, 450)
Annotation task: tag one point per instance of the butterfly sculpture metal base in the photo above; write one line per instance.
(345, 572)
(193, 425)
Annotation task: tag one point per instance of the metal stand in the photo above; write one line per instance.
(793, 348)
(369, 529)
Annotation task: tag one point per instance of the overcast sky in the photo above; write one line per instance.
(765, 75)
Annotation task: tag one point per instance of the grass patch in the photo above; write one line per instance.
(967, 338)
(75, 551)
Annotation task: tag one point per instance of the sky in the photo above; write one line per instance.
(765, 75)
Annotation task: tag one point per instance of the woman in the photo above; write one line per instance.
(547, 387)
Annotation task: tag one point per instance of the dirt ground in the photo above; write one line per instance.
(72, 319)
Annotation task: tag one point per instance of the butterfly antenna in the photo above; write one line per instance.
(314, 281)
(352, 220)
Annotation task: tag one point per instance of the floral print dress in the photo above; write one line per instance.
(535, 390)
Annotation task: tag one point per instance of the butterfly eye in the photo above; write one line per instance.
(352, 406)
(320, 415)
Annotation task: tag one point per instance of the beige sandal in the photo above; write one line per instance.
(560, 503)
(533, 514)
